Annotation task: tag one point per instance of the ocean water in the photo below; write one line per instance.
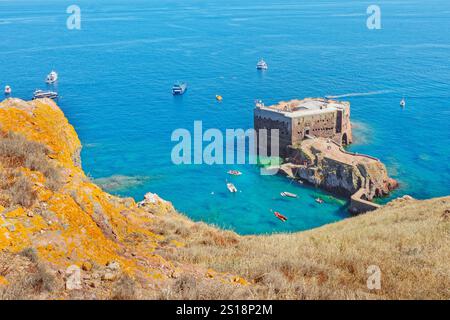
(116, 74)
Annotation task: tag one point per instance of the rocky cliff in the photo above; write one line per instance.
(325, 164)
(52, 212)
(62, 237)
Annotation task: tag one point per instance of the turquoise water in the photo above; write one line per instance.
(116, 74)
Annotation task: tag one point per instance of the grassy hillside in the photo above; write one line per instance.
(407, 239)
(61, 236)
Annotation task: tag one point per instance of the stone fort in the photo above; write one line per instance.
(297, 120)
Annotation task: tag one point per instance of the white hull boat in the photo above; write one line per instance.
(289, 195)
(231, 188)
(40, 94)
(52, 77)
(234, 173)
(262, 65)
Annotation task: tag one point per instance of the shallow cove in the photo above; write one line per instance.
(117, 72)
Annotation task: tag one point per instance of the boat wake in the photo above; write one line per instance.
(359, 94)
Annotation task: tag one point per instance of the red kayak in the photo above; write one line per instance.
(280, 216)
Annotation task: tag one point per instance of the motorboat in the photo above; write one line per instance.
(318, 200)
(280, 216)
(8, 90)
(52, 77)
(40, 94)
(262, 65)
(231, 187)
(179, 88)
(403, 103)
(234, 173)
(219, 98)
(289, 195)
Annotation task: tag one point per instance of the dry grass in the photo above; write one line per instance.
(22, 192)
(408, 241)
(31, 254)
(188, 287)
(16, 189)
(34, 281)
(125, 289)
(17, 152)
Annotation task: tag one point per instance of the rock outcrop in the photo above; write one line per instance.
(48, 206)
(325, 164)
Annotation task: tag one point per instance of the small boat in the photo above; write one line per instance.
(219, 98)
(52, 77)
(280, 216)
(179, 88)
(8, 90)
(234, 173)
(40, 94)
(262, 65)
(318, 200)
(403, 103)
(289, 195)
(231, 187)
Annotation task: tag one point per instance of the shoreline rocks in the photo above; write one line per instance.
(325, 164)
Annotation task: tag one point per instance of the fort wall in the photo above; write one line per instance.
(297, 120)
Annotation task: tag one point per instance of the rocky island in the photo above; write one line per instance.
(63, 237)
(313, 132)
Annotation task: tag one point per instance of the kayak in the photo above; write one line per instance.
(280, 216)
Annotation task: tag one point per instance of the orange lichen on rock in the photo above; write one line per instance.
(42, 121)
(67, 221)
(79, 222)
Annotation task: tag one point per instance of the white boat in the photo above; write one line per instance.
(52, 77)
(179, 88)
(262, 65)
(8, 90)
(234, 173)
(40, 94)
(231, 187)
(403, 103)
(289, 194)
